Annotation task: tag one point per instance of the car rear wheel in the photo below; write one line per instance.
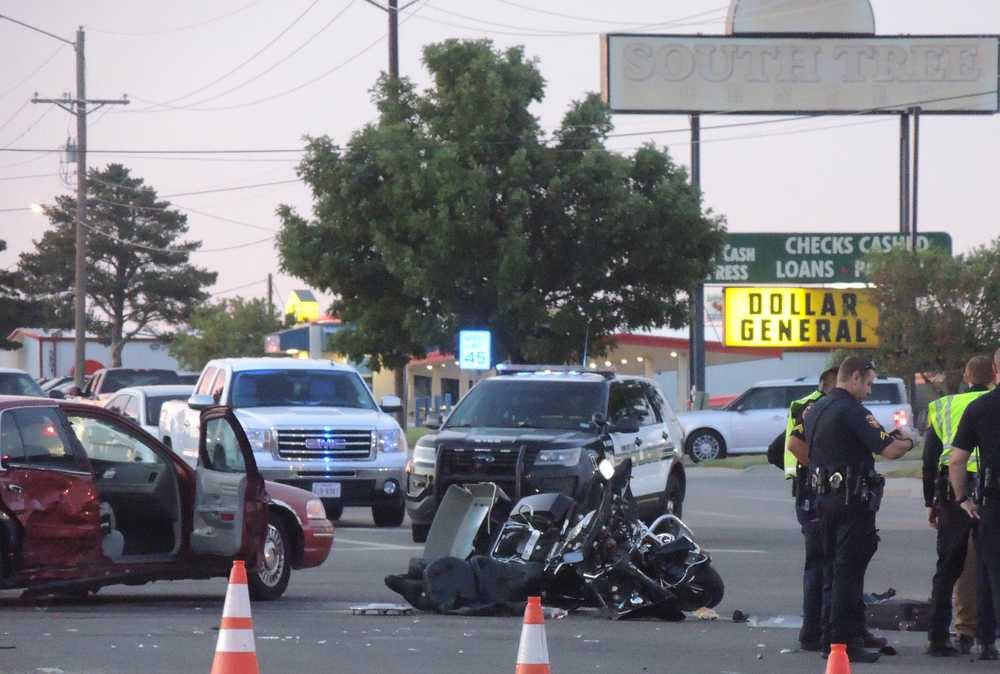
(418, 532)
(389, 514)
(269, 581)
(705, 445)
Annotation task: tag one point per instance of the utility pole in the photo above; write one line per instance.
(392, 9)
(80, 112)
(696, 335)
(270, 295)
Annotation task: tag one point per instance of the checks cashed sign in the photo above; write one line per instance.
(791, 74)
(800, 318)
(809, 258)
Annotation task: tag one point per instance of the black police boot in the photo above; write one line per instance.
(872, 641)
(811, 646)
(988, 652)
(943, 649)
(965, 643)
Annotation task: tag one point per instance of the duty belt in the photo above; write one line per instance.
(943, 493)
(849, 483)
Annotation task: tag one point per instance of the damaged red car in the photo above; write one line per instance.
(89, 499)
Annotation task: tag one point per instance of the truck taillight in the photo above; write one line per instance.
(899, 418)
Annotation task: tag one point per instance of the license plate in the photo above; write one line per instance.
(326, 489)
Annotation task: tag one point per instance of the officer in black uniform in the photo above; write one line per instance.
(842, 435)
(980, 427)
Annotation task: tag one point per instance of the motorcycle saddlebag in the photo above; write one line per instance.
(899, 614)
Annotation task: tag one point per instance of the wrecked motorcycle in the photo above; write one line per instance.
(596, 552)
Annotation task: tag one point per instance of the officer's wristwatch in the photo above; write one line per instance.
(962, 500)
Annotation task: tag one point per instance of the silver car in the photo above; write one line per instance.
(749, 424)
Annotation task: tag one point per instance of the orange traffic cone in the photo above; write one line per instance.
(234, 651)
(838, 662)
(533, 652)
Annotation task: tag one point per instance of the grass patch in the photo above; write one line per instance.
(414, 434)
(736, 462)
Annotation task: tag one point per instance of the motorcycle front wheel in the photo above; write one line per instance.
(704, 589)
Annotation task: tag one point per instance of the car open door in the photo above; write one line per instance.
(230, 512)
(46, 486)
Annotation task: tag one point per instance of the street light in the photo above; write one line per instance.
(37, 208)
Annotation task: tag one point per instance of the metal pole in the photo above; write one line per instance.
(696, 338)
(270, 296)
(904, 173)
(394, 39)
(80, 306)
(915, 179)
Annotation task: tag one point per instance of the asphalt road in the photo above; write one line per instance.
(743, 517)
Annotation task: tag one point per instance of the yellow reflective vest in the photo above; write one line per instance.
(791, 463)
(943, 415)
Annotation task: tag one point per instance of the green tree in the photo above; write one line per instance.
(139, 278)
(454, 210)
(230, 328)
(936, 311)
(17, 310)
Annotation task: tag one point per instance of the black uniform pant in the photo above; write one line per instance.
(849, 543)
(812, 572)
(954, 527)
(987, 534)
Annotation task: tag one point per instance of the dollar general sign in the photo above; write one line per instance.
(800, 318)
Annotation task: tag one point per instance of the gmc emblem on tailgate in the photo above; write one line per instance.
(326, 443)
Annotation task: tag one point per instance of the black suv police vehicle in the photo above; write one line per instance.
(541, 429)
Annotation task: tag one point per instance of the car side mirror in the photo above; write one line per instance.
(74, 392)
(433, 422)
(391, 404)
(626, 425)
(599, 422)
(57, 395)
(201, 402)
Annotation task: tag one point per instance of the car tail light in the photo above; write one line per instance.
(315, 509)
(899, 418)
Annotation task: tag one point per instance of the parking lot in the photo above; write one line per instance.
(743, 517)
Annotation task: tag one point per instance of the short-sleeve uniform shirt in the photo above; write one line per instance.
(841, 432)
(980, 427)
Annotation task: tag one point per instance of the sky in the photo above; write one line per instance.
(244, 74)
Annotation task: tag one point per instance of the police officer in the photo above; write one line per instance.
(842, 435)
(952, 524)
(980, 427)
(795, 453)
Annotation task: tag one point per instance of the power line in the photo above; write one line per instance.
(45, 113)
(33, 72)
(14, 210)
(178, 29)
(15, 114)
(292, 90)
(245, 62)
(35, 175)
(287, 57)
(233, 188)
(154, 249)
(632, 24)
(240, 287)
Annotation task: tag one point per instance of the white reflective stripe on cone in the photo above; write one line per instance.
(237, 602)
(235, 641)
(533, 649)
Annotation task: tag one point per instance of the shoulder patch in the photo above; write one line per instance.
(873, 422)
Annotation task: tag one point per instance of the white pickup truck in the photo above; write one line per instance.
(312, 424)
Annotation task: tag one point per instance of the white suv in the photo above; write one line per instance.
(749, 424)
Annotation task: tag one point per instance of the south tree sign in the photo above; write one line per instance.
(809, 258)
